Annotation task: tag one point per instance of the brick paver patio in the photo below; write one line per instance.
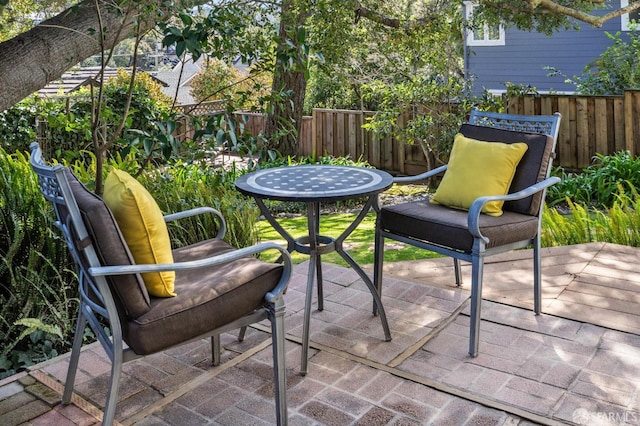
(556, 368)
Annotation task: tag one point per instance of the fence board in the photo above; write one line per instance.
(635, 141)
(352, 138)
(340, 142)
(619, 143)
(600, 113)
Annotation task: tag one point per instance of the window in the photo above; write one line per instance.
(486, 35)
(628, 17)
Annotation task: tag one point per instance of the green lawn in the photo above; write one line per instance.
(359, 244)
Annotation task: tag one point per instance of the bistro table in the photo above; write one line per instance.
(315, 184)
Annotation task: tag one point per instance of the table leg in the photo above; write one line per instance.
(371, 203)
(274, 223)
(316, 208)
(314, 262)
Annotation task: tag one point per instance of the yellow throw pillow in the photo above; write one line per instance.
(476, 169)
(143, 228)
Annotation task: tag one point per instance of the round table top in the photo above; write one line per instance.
(309, 183)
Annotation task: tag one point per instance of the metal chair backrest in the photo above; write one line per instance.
(544, 124)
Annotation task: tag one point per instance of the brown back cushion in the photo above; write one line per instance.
(531, 169)
(128, 290)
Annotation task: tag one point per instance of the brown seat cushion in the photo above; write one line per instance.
(206, 298)
(532, 167)
(448, 227)
(128, 291)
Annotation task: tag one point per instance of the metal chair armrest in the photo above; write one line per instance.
(278, 290)
(421, 176)
(476, 206)
(198, 211)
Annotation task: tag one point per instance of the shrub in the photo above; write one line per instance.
(183, 186)
(38, 297)
(619, 224)
(599, 184)
(17, 126)
(65, 126)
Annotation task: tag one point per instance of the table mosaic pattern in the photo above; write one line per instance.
(314, 182)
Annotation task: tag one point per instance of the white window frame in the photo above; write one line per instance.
(471, 40)
(624, 19)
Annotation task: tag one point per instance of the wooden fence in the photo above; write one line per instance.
(340, 133)
(589, 125)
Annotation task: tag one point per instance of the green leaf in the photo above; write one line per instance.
(34, 324)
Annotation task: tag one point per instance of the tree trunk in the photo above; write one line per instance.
(32, 59)
(284, 123)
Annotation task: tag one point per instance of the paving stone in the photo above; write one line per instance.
(215, 406)
(10, 390)
(75, 415)
(357, 378)
(603, 393)
(496, 363)
(43, 393)
(423, 394)
(94, 362)
(375, 416)
(344, 401)
(604, 361)
(456, 412)
(409, 407)
(15, 401)
(326, 414)
(242, 379)
(608, 381)
(534, 388)
(32, 409)
(483, 416)
(561, 375)
(522, 399)
(586, 411)
(380, 386)
(462, 376)
(489, 382)
(561, 355)
(51, 418)
(535, 368)
(323, 374)
(304, 392)
(261, 408)
(135, 403)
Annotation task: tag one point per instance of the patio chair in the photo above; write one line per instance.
(217, 287)
(468, 221)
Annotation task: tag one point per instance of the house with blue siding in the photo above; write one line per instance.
(500, 55)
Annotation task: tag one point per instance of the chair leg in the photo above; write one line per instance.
(112, 393)
(378, 262)
(279, 363)
(477, 266)
(457, 271)
(537, 276)
(215, 350)
(73, 360)
(241, 333)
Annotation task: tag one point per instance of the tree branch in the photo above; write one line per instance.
(32, 59)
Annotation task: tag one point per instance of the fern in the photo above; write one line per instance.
(619, 224)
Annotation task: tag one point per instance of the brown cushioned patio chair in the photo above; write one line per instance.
(219, 288)
(471, 235)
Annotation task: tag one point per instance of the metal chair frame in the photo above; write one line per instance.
(549, 125)
(92, 282)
